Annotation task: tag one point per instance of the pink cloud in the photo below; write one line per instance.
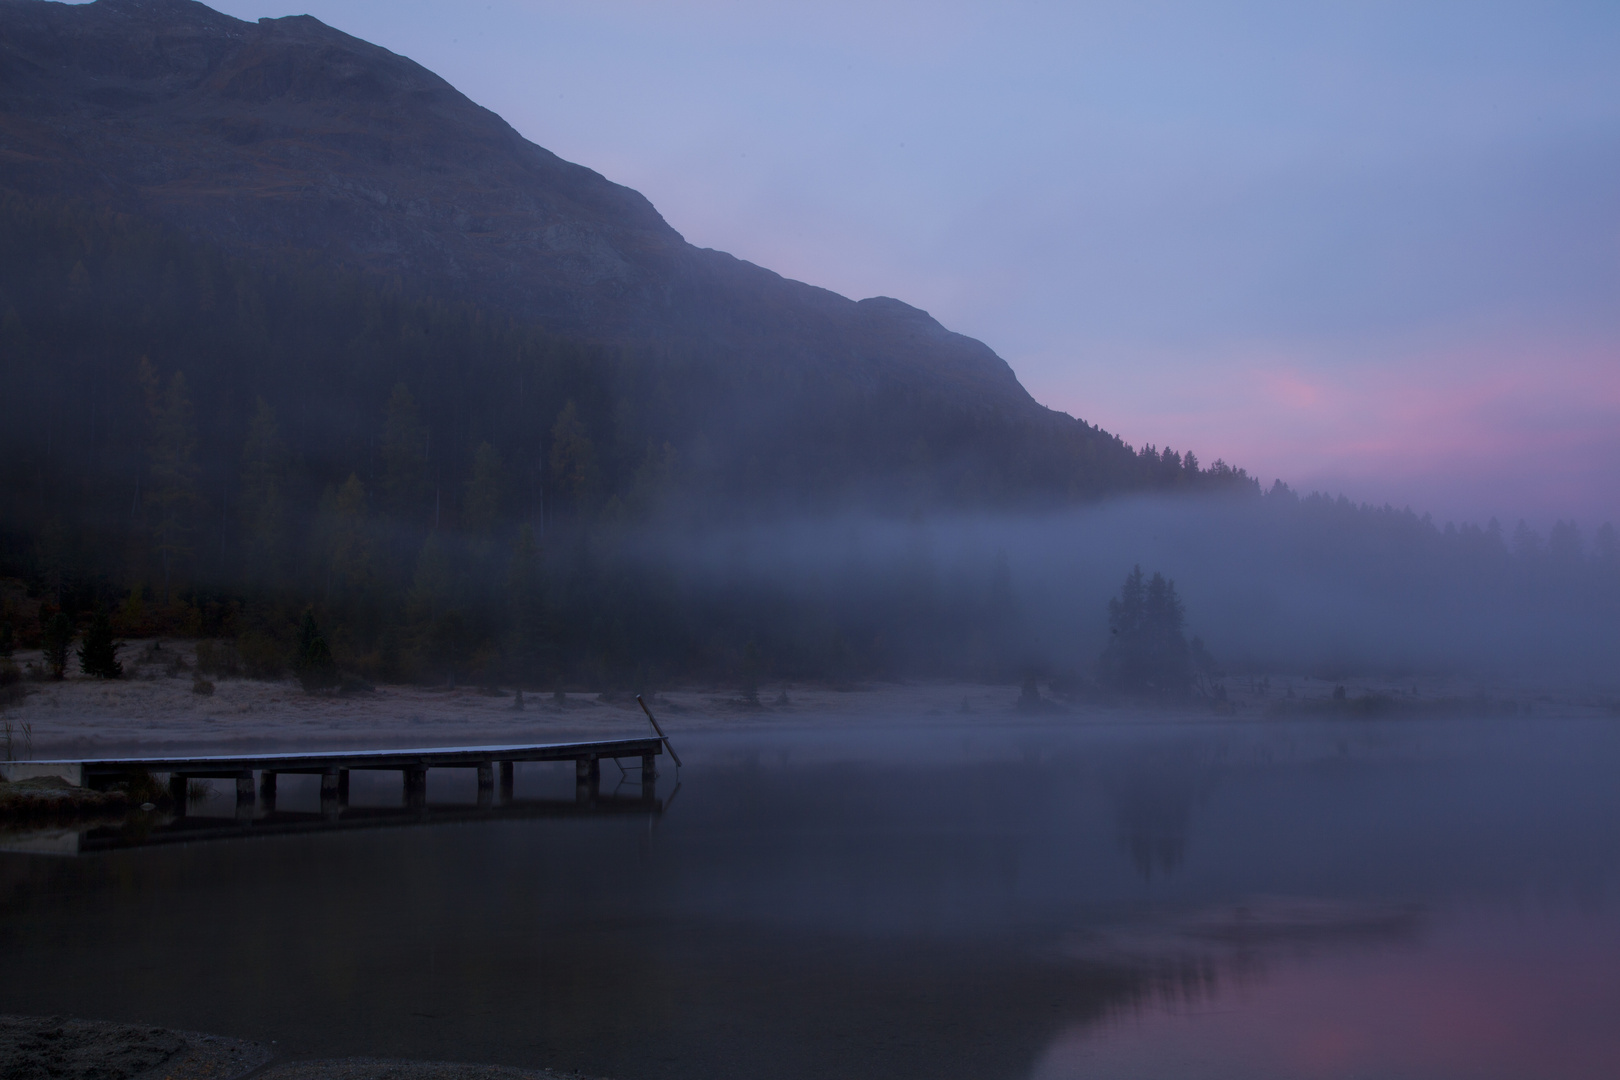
(1504, 426)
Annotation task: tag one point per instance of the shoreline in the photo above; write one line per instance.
(154, 711)
(62, 1048)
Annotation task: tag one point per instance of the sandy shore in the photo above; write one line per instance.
(155, 710)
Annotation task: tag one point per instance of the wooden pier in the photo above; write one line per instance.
(494, 764)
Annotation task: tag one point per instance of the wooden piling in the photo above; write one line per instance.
(415, 785)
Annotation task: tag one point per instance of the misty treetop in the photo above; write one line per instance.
(1147, 648)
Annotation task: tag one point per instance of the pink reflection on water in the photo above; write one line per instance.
(1507, 997)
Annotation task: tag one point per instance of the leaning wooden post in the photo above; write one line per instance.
(660, 731)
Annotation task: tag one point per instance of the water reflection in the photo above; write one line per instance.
(957, 902)
(1153, 804)
(151, 829)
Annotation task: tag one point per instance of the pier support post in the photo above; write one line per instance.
(244, 795)
(649, 767)
(343, 787)
(506, 782)
(587, 778)
(330, 804)
(486, 783)
(267, 789)
(177, 793)
(415, 786)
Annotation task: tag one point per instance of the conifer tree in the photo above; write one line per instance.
(57, 637)
(1147, 650)
(98, 653)
(313, 661)
(481, 510)
(525, 588)
(405, 458)
(263, 506)
(349, 556)
(573, 462)
(433, 581)
(171, 452)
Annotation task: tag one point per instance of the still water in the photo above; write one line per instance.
(1396, 899)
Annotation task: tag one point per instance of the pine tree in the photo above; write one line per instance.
(349, 557)
(481, 511)
(1147, 649)
(98, 653)
(171, 450)
(263, 505)
(313, 661)
(525, 586)
(573, 462)
(57, 637)
(405, 456)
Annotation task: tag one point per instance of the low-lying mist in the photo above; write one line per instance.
(1270, 583)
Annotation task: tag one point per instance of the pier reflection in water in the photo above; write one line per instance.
(1407, 899)
(248, 818)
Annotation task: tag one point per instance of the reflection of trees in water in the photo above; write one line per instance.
(1153, 804)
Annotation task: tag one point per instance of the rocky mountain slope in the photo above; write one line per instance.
(288, 135)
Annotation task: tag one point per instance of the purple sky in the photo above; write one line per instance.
(1373, 247)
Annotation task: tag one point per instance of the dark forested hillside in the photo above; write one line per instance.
(287, 138)
(183, 424)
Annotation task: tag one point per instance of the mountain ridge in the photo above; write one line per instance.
(287, 134)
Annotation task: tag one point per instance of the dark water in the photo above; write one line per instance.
(1390, 900)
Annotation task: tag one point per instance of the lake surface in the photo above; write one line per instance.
(1391, 899)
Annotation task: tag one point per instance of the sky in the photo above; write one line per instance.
(1371, 248)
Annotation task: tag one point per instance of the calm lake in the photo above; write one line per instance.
(1384, 899)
